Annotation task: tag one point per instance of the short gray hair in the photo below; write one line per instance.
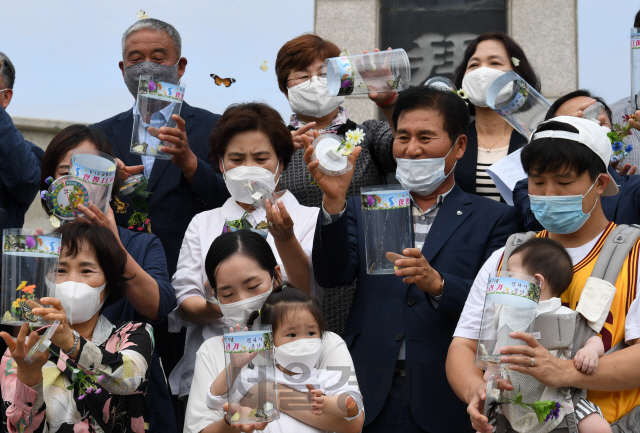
(157, 25)
(7, 71)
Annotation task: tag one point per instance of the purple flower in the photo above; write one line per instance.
(30, 241)
(49, 180)
(630, 133)
(225, 229)
(101, 378)
(43, 195)
(98, 391)
(80, 397)
(558, 406)
(89, 390)
(346, 83)
(152, 86)
(618, 145)
(371, 200)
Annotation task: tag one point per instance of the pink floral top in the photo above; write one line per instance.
(119, 356)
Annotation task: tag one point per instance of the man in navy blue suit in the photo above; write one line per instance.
(20, 160)
(182, 187)
(400, 326)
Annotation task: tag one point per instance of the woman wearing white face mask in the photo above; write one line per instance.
(242, 270)
(249, 142)
(489, 138)
(115, 355)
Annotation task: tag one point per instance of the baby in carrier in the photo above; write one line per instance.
(548, 261)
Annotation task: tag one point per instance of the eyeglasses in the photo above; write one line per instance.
(305, 80)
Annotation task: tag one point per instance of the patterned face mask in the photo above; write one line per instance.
(160, 73)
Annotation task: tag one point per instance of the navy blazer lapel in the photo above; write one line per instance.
(160, 165)
(454, 210)
(121, 142)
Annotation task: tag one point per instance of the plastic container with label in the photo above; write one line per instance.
(96, 169)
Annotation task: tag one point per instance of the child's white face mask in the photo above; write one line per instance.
(299, 356)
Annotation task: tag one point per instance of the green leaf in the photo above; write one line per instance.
(71, 386)
(543, 408)
(246, 225)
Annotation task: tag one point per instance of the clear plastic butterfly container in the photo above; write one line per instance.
(96, 169)
(260, 191)
(29, 273)
(440, 83)
(510, 305)
(157, 101)
(387, 225)
(376, 72)
(517, 102)
(251, 373)
(635, 68)
(65, 194)
(329, 149)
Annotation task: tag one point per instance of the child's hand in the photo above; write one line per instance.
(586, 360)
(316, 398)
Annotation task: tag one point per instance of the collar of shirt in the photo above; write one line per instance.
(418, 211)
(548, 306)
(101, 331)
(165, 113)
(233, 211)
(340, 119)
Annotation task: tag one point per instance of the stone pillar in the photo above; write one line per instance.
(362, 34)
(547, 31)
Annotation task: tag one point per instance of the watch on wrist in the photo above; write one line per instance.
(76, 340)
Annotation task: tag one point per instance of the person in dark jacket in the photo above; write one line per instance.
(20, 159)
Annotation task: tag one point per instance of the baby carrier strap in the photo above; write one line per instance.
(614, 252)
(513, 242)
(555, 331)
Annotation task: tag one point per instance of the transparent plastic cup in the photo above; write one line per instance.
(524, 108)
(328, 152)
(157, 101)
(387, 225)
(260, 191)
(359, 74)
(96, 169)
(594, 111)
(635, 68)
(510, 305)
(441, 83)
(65, 194)
(231, 225)
(29, 273)
(251, 372)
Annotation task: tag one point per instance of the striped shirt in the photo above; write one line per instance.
(484, 184)
(422, 221)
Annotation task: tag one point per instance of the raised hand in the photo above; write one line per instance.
(305, 130)
(181, 153)
(334, 187)
(280, 222)
(125, 171)
(383, 70)
(29, 374)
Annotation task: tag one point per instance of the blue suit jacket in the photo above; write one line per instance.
(20, 164)
(174, 201)
(386, 311)
(147, 251)
(622, 208)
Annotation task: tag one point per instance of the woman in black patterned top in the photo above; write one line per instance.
(299, 68)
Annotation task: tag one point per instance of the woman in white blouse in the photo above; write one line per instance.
(243, 272)
(250, 142)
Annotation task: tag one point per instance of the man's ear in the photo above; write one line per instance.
(182, 66)
(603, 182)
(121, 66)
(8, 96)
(461, 146)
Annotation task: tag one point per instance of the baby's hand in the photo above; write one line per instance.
(586, 360)
(316, 398)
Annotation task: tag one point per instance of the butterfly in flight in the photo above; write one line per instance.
(264, 66)
(142, 15)
(220, 81)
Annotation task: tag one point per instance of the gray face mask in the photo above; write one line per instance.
(164, 73)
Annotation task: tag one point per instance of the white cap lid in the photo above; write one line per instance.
(591, 134)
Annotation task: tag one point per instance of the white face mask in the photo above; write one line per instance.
(476, 83)
(299, 356)
(237, 178)
(314, 99)
(79, 300)
(422, 176)
(237, 313)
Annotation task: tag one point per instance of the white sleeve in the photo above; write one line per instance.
(335, 357)
(188, 280)
(198, 415)
(471, 317)
(307, 246)
(632, 322)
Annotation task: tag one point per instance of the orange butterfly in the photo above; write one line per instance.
(220, 81)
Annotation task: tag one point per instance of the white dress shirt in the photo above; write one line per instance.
(190, 277)
(157, 120)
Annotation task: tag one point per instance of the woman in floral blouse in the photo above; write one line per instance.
(94, 376)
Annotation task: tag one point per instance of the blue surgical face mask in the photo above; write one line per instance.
(561, 214)
(422, 176)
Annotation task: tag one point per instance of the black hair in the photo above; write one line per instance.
(242, 242)
(451, 107)
(112, 259)
(636, 20)
(524, 68)
(548, 258)
(283, 300)
(551, 113)
(544, 155)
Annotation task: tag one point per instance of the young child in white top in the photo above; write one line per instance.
(548, 261)
(298, 326)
